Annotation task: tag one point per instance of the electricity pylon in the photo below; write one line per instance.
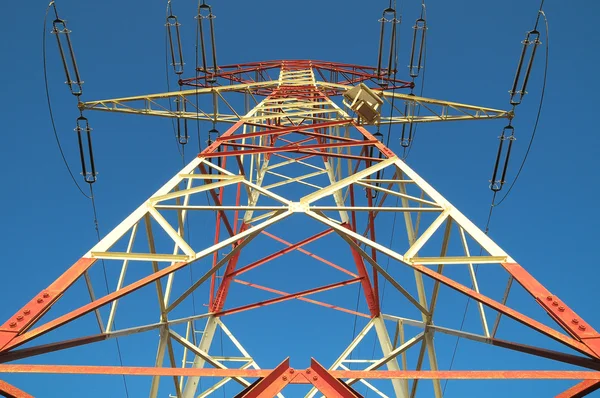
(299, 163)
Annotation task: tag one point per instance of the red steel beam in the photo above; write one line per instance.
(329, 385)
(287, 297)
(338, 374)
(289, 148)
(281, 293)
(372, 299)
(25, 318)
(580, 390)
(290, 248)
(270, 385)
(283, 130)
(10, 391)
(314, 256)
(223, 290)
(525, 320)
(556, 308)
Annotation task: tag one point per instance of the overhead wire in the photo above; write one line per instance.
(97, 228)
(493, 204)
(168, 12)
(49, 101)
(539, 111)
(396, 43)
(464, 317)
(407, 151)
(91, 195)
(396, 62)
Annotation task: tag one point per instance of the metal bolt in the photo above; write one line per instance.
(284, 378)
(555, 303)
(292, 371)
(575, 321)
(40, 300)
(307, 371)
(549, 298)
(12, 324)
(26, 311)
(581, 327)
(561, 308)
(20, 318)
(46, 295)
(315, 378)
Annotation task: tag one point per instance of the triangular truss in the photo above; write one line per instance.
(299, 154)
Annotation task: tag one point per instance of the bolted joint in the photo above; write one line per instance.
(26, 311)
(13, 324)
(549, 298)
(582, 327)
(315, 378)
(19, 318)
(40, 300)
(575, 321)
(284, 378)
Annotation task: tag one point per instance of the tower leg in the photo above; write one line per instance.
(400, 386)
(191, 385)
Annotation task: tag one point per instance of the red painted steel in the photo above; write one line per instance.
(9, 391)
(279, 141)
(279, 253)
(312, 255)
(36, 308)
(221, 295)
(557, 309)
(338, 374)
(242, 73)
(527, 321)
(270, 385)
(326, 383)
(288, 297)
(320, 303)
(580, 390)
(372, 299)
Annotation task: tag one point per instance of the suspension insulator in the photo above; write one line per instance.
(530, 45)
(205, 13)
(389, 16)
(418, 48)
(182, 125)
(408, 128)
(213, 134)
(175, 47)
(379, 138)
(407, 135)
(88, 167)
(67, 54)
(502, 158)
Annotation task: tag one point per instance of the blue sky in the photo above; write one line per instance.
(548, 223)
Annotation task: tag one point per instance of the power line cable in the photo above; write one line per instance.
(97, 228)
(493, 202)
(91, 195)
(464, 317)
(539, 112)
(408, 150)
(49, 101)
(168, 12)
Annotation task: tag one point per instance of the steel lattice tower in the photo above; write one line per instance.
(298, 162)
